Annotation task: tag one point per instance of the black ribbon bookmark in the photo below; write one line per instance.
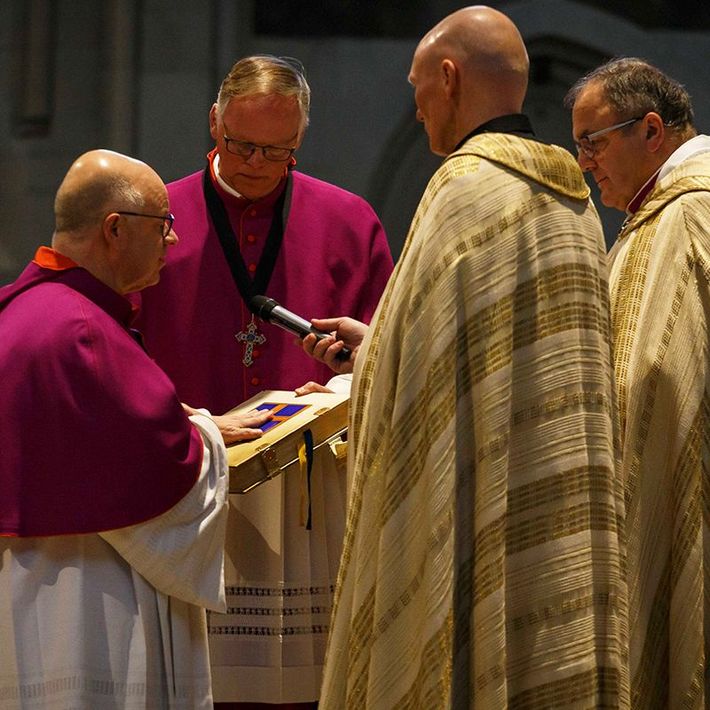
(248, 288)
(308, 441)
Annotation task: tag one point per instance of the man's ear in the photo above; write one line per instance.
(450, 77)
(109, 228)
(213, 122)
(655, 131)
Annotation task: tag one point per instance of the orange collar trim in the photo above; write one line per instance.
(210, 158)
(47, 258)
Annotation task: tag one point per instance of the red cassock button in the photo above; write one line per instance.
(251, 238)
(255, 353)
(252, 268)
(255, 380)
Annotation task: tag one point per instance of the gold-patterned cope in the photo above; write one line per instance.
(482, 565)
(660, 302)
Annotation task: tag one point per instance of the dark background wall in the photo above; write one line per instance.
(139, 76)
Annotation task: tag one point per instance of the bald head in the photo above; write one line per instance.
(476, 62)
(111, 214)
(97, 182)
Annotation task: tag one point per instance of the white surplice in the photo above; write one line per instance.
(116, 619)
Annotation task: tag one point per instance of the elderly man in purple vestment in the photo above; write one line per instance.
(112, 512)
(251, 224)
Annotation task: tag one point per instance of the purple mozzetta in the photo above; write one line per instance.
(92, 434)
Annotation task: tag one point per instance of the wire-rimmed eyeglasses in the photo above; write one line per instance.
(245, 149)
(586, 143)
(168, 219)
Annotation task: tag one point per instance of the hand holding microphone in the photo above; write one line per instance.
(338, 352)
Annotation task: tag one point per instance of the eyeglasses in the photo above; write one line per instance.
(168, 220)
(586, 143)
(275, 153)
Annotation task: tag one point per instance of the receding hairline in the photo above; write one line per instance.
(266, 75)
(632, 87)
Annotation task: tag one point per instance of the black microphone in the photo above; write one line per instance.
(270, 311)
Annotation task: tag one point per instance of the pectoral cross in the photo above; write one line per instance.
(251, 337)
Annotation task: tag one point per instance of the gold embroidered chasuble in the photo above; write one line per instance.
(660, 299)
(481, 565)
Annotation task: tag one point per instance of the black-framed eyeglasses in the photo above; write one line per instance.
(244, 149)
(586, 143)
(168, 220)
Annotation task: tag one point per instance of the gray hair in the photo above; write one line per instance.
(633, 87)
(266, 74)
(77, 209)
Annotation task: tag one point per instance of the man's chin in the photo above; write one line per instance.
(606, 198)
(614, 204)
(152, 281)
(437, 149)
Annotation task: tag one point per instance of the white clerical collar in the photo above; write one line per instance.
(699, 144)
(227, 188)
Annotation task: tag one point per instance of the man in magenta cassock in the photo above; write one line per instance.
(250, 224)
(112, 511)
(331, 250)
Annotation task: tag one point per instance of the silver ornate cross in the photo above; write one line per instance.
(250, 338)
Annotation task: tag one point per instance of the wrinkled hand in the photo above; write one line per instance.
(236, 427)
(344, 333)
(241, 427)
(311, 387)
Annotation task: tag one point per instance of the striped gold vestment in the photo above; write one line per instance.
(482, 559)
(660, 302)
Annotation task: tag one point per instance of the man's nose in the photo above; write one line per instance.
(584, 161)
(256, 157)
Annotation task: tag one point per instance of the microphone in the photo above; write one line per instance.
(270, 311)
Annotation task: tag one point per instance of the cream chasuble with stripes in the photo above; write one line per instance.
(660, 299)
(482, 559)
